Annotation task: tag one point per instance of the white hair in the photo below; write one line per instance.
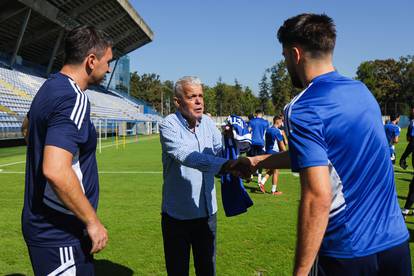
(178, 88)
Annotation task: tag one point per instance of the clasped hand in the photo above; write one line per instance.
(242, 167)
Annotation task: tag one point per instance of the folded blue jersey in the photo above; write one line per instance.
(241, 134)
(234, 197)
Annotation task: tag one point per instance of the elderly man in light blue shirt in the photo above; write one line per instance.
(191, 156)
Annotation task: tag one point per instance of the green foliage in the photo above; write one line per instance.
(390, 81)
(282, 90)
(221, 100)
(264, 93)
(249, 102)
(147, 87)
(210, 100)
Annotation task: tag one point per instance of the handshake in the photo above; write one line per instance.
(242, 167)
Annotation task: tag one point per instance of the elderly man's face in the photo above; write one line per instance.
(191, 102)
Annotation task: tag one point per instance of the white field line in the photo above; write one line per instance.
(129, 142)
(11, 164)
(104, 146)
(119, 144)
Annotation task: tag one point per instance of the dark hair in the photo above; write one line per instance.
(250, 116)
(277, 117)
(394, 116)
(85, 40)
(258, 111)
(314, 32)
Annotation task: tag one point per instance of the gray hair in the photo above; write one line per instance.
(178, 87)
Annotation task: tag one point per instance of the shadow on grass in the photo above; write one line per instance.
(402, 197)
(15, 274)
(404, 172)
(105, 267)
(253, 188)
(404, 179)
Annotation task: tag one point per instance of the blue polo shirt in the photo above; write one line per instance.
(365, 217)
(272, 137)
(258, 128)
(59, 116)
(391, 131)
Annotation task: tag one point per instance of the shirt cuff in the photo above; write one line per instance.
(216, 166)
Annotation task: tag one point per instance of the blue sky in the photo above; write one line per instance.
(237, 38)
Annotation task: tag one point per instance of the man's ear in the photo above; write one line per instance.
(297, 54)
(177, 102)
(91, 60)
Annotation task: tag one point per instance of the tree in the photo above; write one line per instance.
(407, 81)
(248, 102)
(264, 90)
(168, 90)
(210, 101)
(384, 78)
(281, 88)
(219, 91)
(147, 87)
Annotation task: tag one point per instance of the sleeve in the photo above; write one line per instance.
(62, 129)
(279, 136)
(397, 131)
(307, 146)
(217, 140)
(179, 150)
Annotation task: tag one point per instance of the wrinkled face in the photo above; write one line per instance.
(290, 65)
(191, 102)
(99, 67)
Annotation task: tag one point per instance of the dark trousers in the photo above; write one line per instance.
(410, 197)
(409, 150)
(395, 261)
(182, 235)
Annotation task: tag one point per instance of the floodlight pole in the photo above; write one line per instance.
(19, 40)
(100, 136)
(162, 102)
(112, 74)
(54, 52)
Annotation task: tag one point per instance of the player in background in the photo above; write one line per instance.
(392, 131)
(410, 139)
(258, 127)
(274, 143)
(403, 163)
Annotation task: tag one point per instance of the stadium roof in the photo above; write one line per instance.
(44, 23)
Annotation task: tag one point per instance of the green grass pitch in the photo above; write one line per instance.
(259, 242)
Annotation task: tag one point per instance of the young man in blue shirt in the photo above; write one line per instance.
(59, 220)
(409, 150)
(274, 143)
(392, 132)
(349, 220)
(258, 127)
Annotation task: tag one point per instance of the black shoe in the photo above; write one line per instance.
(403, 164)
